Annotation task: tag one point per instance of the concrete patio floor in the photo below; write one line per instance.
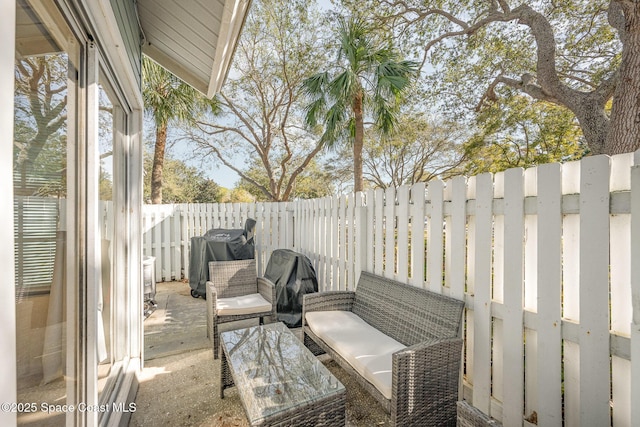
(180, 380)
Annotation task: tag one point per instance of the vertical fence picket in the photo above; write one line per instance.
(323, 229)
(314, 239)
(390, 233)
(513, 330)
(206, 216)
(342, 213)
(279, 229)
(273, 233)
(549, 325)
(328, 242)
(147, 226)
(331, 248)
(635, 287)
(435, 236)
(403, 234)
(530, 296)
(571, 295)
(193, 230)
(258, 215)
(371, 242)
(183, 240)
(456, 237)
(176, 265)
(166, 245)
(451, 230)
(228, 221)
(594, 292)
(350, 231)
(269, 226)
(497, 295)
(157, 244)
(335, 241)
(197, 220)
(298, 218)
(482, 291)
(215, 216)
(379, 231)
(237, 217)
(417, 260)
(621, 317)
(290, 221)
(360, 237)
(303, 226)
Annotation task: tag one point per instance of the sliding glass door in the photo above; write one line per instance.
(78, 311)
(46, 237)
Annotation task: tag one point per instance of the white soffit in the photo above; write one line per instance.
(194, 39)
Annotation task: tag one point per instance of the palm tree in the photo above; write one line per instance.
(167, 99)
(368, 74)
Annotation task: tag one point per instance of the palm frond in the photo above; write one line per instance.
(314, 86)
(315, 110)
(334, 123)
(343, 86)
(385, 117)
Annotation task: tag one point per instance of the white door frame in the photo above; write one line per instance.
(8, 391)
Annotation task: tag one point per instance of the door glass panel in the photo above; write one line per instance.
(105, 190)
(42, 211)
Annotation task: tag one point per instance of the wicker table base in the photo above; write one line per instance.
(279, 381)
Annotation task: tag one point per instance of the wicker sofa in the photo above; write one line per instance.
(403, 344)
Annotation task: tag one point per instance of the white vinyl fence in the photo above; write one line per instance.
(542, 258)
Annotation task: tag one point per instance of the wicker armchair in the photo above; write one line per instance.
(234, 293)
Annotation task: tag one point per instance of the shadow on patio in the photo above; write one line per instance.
(179, 384)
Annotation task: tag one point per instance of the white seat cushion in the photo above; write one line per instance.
(365, 348)
(245, 304)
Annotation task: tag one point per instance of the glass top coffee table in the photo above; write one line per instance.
(280, 382)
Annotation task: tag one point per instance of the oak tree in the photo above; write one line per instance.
(582, 55)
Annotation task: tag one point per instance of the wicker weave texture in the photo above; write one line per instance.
(425, 375)
(406, 313)
(470, 416)
(233, 278)
(230, 279)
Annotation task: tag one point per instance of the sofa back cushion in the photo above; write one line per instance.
(406, 313)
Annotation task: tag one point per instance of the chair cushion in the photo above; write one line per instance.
(245, 304)
(365, 348)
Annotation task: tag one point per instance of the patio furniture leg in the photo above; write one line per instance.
(216, 340)
(226, 380)
(261, 321)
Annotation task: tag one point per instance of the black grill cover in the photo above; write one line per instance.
(218, 245)
(294, 276)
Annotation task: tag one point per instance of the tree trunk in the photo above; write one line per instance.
(588, 107)
(358, 143)
(624, 132)
(158, 164)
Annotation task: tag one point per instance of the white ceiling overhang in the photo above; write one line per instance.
(194, 39)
